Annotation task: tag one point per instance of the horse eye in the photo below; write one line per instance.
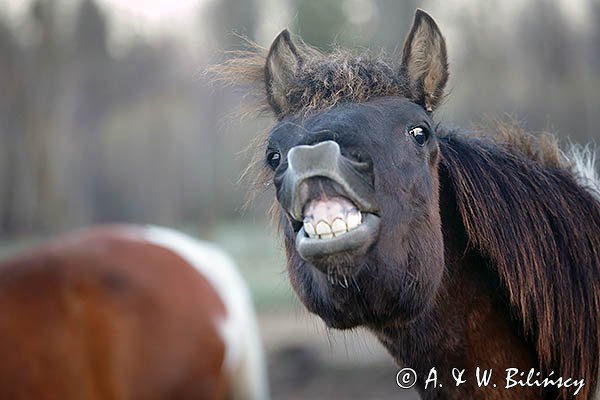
(273, 159)
(420, 135)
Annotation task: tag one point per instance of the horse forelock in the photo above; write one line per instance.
(324, 81)
(524, 209)
(321, 80)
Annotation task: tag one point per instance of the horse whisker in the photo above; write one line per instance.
(343, 283)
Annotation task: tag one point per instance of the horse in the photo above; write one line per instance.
(463, 251)
(127, 312)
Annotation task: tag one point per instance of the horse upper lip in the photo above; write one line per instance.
(324, 160)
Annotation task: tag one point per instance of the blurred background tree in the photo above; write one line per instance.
(103, 117)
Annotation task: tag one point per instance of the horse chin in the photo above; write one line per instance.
(334, 287)
(338, 250)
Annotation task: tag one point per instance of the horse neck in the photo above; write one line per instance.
(468, 326)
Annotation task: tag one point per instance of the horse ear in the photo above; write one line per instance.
(282, 64)
(425, 61)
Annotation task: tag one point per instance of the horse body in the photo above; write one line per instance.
(124, 312)
(458, 250)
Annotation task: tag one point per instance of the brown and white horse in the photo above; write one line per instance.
(127, 312)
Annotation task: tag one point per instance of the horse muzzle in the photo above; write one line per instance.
(332, 200)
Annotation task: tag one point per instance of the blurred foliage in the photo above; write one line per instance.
(326, 23)
(228, 19)
(89, 135)
(319, 22)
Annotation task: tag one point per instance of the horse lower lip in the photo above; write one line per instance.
(360, 237)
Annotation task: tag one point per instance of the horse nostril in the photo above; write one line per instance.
(361, 162)
(355, 155)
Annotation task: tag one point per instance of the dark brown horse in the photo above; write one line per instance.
(456, 249)
(125, 312)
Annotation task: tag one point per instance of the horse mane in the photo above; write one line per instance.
(524, 209)
(321, 81)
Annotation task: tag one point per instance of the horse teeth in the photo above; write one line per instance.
(340, 233)
(309, 229)
(338, 226)
(323, 228)
(353, 220)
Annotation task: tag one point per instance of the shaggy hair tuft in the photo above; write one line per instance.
(322, 81)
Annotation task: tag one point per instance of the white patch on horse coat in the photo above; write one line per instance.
(244, 359)
(584, 160)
